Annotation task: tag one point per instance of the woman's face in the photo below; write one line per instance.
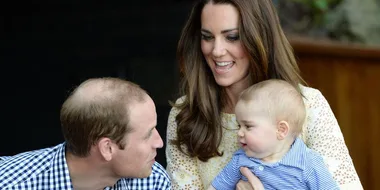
(221, 45)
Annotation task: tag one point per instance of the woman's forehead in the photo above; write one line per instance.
(219, 16)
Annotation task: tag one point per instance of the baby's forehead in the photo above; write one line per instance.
(254, 105)
(255, 100)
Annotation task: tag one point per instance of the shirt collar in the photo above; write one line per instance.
(295, 157)
(60, 165)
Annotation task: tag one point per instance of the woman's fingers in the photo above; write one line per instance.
(252, 179)
(244, 185)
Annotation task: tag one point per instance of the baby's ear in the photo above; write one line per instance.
(282, 130)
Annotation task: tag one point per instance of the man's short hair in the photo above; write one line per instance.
(98, 107)
(280, 100)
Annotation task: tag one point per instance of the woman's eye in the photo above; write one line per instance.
(233, 38)
(206, 37)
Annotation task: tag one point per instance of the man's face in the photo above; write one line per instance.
(139, 154)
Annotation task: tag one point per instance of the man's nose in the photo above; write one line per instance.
(158, 143)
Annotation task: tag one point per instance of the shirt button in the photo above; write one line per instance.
(261, 168)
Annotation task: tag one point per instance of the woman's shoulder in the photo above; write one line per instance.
(176, 106)
(180, 100)
(311, 95)
(309, 91)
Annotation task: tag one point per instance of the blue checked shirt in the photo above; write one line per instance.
(300, 168)
(46, 169)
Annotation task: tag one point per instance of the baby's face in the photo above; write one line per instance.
(258, 132)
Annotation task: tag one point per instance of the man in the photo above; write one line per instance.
(110, 143)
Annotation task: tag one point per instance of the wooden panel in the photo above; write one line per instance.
(349, 78)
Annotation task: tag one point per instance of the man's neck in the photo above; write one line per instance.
(89, 173)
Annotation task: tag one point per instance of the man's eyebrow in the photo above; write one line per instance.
(149, 132)
(223, 31)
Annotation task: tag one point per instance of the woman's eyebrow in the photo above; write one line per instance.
(229, 30)
(205, 31)
(223, 31)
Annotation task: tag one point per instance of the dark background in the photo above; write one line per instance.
(49, 47)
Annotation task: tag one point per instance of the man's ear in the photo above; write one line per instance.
(282, 129)
(106, 148)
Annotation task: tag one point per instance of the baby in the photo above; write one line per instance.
(270, 116)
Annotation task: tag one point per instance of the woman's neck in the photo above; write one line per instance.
(231, 94)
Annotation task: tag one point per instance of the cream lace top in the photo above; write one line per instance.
(321, 133)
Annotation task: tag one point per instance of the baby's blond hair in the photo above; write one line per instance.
(283, 102)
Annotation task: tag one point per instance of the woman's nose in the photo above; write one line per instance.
(219, 48)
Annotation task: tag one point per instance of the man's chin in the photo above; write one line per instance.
(145, 174)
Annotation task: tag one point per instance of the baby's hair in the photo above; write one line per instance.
(281, 101)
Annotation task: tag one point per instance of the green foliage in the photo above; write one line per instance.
(344, 20)
(355, 21)
(316, 5)
(318, 9)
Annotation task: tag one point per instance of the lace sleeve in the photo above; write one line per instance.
(325, 137)
(182, 169)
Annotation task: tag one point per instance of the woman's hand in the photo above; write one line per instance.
(253, 182)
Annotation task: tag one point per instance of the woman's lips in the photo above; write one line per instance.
(223, 68)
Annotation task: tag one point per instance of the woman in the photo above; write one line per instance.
(226, 46)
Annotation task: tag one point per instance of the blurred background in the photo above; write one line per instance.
(49, 47)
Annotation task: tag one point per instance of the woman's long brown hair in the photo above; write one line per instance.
(271, 56)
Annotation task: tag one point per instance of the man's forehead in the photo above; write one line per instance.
(142, 115)
(93, 90)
